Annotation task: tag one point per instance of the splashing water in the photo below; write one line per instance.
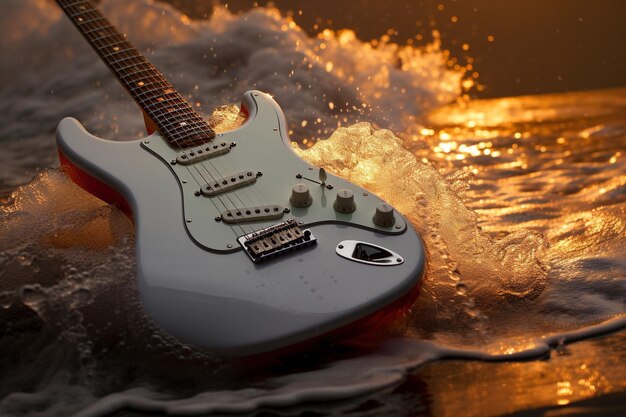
(520, 201)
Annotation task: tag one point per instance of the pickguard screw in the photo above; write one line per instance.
(259, 174)
(197, 193)
(233, 144)
(218, 218)
(146, 142)
(399, 260)
(298, 176)
(286, 210)
(365, 194)
(340, 246)
(398, 226)
(188, 220)
(229, 246)
(300, 222)
(330, 187)
(173, 162)
(275, 129)
(184, 181)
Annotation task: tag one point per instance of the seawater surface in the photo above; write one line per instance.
(521, 202)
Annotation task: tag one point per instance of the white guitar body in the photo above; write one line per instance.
(195, 279)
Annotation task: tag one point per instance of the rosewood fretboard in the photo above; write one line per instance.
(176, 120)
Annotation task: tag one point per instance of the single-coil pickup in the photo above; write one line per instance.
(276, 240)
(229, 183)
(253, 214)
(200, 153)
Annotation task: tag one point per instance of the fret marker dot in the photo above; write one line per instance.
(183, 123)
(116, 48)
(80, 19)
(140, 83)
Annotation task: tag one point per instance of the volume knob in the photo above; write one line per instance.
(383, 217)
(344, 203)
(300, 196)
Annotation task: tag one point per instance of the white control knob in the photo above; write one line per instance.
(300, 196)
(384, 215)
(344, 203)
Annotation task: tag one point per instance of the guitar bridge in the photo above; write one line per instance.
(276, 240)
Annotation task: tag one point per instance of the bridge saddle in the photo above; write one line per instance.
(276, 240)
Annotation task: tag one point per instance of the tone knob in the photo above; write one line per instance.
(384, 215)
(300, 196)
(344, 203)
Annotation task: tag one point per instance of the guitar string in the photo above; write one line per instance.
(198, 130)
(176, 136)
(109, 26)
(194, 165)
(252, 194)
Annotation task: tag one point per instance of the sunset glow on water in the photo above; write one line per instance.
(521, 202)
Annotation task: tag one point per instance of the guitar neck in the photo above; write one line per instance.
(174, 117)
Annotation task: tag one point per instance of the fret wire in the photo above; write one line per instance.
(140, 71)
(145, 79)
(118, 51)
(90, 26)
(80, 11)
(120, 43)
(108, 30)
(84, 22)
(103, 29)
(124, 59)
(137, 69)
(130, 66)
(92, 22)
(74, 4)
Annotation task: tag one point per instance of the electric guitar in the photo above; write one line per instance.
(242, 247)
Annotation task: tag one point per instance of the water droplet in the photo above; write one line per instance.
(81, 297)
(461, 288)
(33, 296)
(6, 299)
(24, 259)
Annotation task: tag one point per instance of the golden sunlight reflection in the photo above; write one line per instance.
(559, 381)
